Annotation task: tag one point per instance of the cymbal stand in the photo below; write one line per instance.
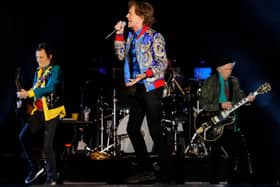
(101, 106)
(114, 122)
(194, 147)
(100, 110)
(197, 110)
(177, 84)
(114, 112)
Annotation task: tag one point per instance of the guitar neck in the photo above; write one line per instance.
(237, 105)
(18, 85)
(242, 102)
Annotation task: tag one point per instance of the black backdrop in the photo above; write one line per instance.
(194, 31)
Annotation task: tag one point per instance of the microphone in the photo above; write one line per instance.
(123, 24)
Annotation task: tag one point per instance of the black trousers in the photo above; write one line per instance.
(147, 103)
(239, 166)
(37, 126)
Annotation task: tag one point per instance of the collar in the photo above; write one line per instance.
(44, 68)
(221, 79)
(141, 31)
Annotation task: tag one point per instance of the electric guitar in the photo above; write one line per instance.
(210, 125)
(22, 105)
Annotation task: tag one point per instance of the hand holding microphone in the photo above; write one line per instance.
(119, 28)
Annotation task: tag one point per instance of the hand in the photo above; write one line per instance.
(22, 94)
(251, 98)
(119, 27)
(138, 78)
(226, 105)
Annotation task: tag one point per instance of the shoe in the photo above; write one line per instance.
(33, 175)
(50, 182)
(146, 176)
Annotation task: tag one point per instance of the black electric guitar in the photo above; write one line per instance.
(210, 125)
(23, 106)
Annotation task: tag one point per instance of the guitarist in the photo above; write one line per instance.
(220, 92)
(48, 109)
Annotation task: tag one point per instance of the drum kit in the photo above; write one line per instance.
(178, 109)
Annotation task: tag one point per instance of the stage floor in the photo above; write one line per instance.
(80, 170)
(196, 184)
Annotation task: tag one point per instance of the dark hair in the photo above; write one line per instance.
(45, 46)
(143, 9)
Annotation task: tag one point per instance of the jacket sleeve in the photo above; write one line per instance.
(159, 64)
(119, 46)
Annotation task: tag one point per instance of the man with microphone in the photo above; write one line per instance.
(145, 62)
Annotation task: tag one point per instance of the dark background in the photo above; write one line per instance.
(194, 31)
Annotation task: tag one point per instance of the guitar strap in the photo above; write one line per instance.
(43, 77)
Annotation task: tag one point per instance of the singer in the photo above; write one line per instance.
(145, 62)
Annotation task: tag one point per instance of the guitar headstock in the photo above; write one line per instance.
(18, 71)
(264, 88)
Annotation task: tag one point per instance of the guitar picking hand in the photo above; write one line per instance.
(226, 105)
(22, 94)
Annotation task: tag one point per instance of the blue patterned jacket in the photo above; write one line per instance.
(150, 54)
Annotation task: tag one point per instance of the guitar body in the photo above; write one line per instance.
(24, 106)
(27, 106)
(212, 123)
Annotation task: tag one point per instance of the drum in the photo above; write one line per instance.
(124, 140)
(122, 112)
(173, 106)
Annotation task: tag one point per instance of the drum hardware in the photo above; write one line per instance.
(175, 115)
(101, 152)
(196, 147)
(174, 132)
(104, 117)
(97, 154)
(114, 144)
(173, 128)
(81, 144)
(114, 122)
(101, 104)
(197, 110)
(174, 81)
(171, 84)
